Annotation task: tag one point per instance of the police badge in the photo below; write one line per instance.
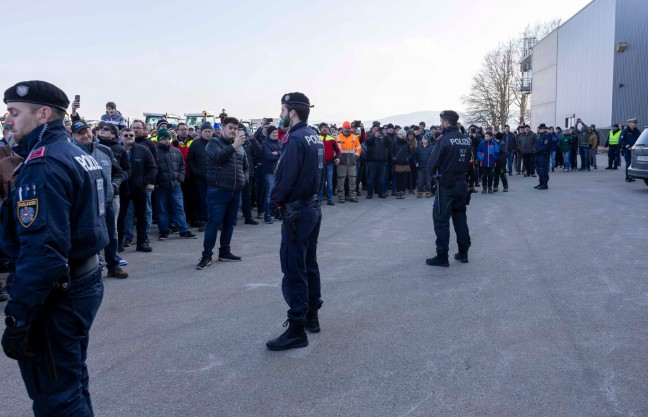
(27, 212)
(22, 90)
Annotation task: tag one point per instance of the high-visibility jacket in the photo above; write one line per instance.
(349, 144)
(614, 138)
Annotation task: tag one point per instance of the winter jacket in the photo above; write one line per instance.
(502, 155)
(120, 155)
(8, 162)
(565, 142)
(401, 152)
(227, 168)
(150, 145)
(349, 145)
(116, 119)
(331, 148)
(109, 165)
(526, 142)
(583, 137)
(378, 148)
(629, 137)
(171, 169)
(143, 170)
(511, 142)
(487, 152)
(422, 156)
(197, 158)
(254, 154)
(269, 160)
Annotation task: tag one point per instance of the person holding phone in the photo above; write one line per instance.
(227, 175)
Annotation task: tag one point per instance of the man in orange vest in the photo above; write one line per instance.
(349, 144)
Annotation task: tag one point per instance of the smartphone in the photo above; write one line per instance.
(269, 119)
(77, 98)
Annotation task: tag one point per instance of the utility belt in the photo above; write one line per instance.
(449, 180)
(297, 204)
(83, 267)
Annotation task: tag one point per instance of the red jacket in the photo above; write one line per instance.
(331, 148)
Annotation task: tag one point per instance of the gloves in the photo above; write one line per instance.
(15, 342)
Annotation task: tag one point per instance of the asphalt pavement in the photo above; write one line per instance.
(549, 317)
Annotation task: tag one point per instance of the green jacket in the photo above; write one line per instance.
(565, 142)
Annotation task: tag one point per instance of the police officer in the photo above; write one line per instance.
(627, 140)
(53, 227)
(542, 150)
(447, 164)
(298, 178)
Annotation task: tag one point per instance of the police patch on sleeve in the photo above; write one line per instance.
(27, 212)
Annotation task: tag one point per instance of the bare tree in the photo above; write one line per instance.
(495, 90)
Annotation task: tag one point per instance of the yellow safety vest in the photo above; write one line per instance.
(614, 139)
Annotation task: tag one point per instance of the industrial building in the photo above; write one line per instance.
(594, 66)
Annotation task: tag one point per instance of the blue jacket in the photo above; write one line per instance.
(543, 144)
(117, 119)
(423, 155)
(54, 216)
(300, 169)
(487, 152)
(270, 160)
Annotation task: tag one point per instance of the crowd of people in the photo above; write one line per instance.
(163, 174)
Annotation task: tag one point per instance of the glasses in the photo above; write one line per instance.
(128, 136)
(105, 128)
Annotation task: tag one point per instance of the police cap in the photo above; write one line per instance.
(37, 92)
(542, 126)
(296, 99)
(450, 115)
(633, 120)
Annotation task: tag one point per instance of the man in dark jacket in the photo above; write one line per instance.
(527, 142)
(627, 140)
(378, 148)
(143, 173)
(227, 175)
(197, 162)
(171, 173)
(141, 138)
(253, 153)
(511, 146)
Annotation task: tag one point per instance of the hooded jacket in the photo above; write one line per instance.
(116, 119)
(487, 152)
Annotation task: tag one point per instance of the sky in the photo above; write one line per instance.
(354, 59)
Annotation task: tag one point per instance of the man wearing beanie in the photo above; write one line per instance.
(171, 173)
(332, 155)
(53, 241)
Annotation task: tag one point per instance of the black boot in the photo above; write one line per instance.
(439, 260)
(293, 337)
(312, 321)
(462, 256)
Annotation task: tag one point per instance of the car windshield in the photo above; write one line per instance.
(643, 138)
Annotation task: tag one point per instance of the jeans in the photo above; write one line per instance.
(567, 155)
(110, 251)
(223, 207)
(510, 161)
(329, 168)
(376, 177)
(269, 180)
(585, 159)
(423, 180)
(553, 159)
(260, 188)
(149, 213)
(627, 155)
(165, 198)
(129, 222)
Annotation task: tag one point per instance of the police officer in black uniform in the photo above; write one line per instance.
(542, 151)
(447, 164)
(298, 179)
(53, 227)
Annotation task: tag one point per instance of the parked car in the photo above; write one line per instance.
(639, 163)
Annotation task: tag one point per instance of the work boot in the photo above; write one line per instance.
(495, 189)
(353, 199)
(462, 256)
(294, 337)
(419, 195)
(118, 273)
(202, 227)
(144, 247)
(439, 260)
(312, 321)
(250, 220)
(490, 191)
(609, 167)
(330, 203)
(427, 195)
(506, 189)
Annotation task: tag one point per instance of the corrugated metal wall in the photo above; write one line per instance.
(586, 64)
(543, 97)
(631, 66)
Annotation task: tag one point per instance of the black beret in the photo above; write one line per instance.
(113, 128)
(37, 92)
(449, 114)
(296, 98)
(206, 125)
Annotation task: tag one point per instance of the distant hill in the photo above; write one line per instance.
(429, 117)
